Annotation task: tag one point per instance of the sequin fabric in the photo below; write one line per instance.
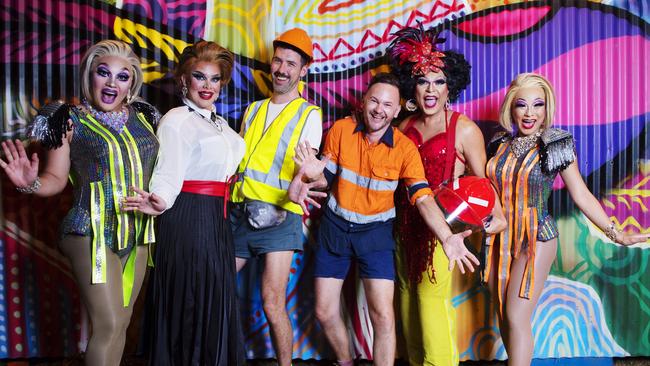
(414, 234)
(539, 188)
(90, 162)
(524, 189)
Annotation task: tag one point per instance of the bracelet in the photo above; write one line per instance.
(611, 232)
(30, 188)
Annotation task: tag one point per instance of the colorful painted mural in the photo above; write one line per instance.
(594, 52)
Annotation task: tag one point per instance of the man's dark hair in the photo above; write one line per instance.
(304, 59)
(384, 78)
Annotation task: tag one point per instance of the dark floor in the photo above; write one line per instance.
(78, 361)
(628, 361)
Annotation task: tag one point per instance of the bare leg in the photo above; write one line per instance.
(240, 263)
(494, 298)
(519, 311)
(108, 316)
(124, 314)
(328, 312)
(379, 294)
(274, 298)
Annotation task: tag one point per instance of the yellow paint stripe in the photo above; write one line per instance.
(642, 183)
(630, 192)
(130, 32)
(638, 201)
(609, 204)
(624, 201)
(629, 221)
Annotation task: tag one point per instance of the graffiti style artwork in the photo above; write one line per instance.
(594, 53)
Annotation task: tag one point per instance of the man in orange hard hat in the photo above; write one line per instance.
(265, 222)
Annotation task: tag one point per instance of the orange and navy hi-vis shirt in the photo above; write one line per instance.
(364, 176)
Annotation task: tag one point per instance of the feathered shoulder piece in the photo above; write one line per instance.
(50, 125)
(149, 112)
(557, 150)
(497, 139)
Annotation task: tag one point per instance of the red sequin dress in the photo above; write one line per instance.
(414, 235)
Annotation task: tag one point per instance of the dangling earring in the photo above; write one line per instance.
(184, 91)
(447, 105)
(410, 105)
(128, 97)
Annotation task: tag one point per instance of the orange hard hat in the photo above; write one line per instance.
(298, 39)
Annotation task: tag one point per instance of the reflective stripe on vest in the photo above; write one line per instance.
(366, 182)
(332, 167)
(267, 167)
(356, 217)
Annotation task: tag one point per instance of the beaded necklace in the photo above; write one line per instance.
(521, 145)
(115, 120)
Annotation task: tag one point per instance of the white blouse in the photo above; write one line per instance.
(192, 147)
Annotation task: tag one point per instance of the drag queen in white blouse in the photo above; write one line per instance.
(195, 313)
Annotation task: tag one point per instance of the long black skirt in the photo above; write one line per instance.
(195, 315)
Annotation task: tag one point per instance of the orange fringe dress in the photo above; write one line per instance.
(524, 185)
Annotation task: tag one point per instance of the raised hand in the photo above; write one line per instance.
(145, 202)
(306, 160)
(631, 239)
(302, 192)
(19, 168)
(454, 247)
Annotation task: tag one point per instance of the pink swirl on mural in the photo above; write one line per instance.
(599, 83)
(504, 23)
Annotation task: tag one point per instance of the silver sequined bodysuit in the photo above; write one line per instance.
(104, 164)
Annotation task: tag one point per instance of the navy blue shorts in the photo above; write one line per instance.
(373, 248)
(251, 242)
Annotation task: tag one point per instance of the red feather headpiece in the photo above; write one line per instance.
(417, 46)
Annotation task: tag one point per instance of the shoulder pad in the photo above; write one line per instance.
(557, 150)
(149, 112)
(50, 125)
(552, 135)
(495, 141)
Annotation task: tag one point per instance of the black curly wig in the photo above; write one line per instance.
(456, 69)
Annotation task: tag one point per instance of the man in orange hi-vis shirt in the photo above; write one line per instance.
(365, 157)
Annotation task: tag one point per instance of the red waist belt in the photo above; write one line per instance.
(210, 188)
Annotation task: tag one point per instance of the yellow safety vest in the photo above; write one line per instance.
(267, 167)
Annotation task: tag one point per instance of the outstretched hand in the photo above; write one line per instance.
(306, 160)
(631, 239)
(454, 247)
(145, 202)
(302, 192)
(19, 168)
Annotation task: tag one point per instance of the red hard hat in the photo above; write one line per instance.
(469, 199)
